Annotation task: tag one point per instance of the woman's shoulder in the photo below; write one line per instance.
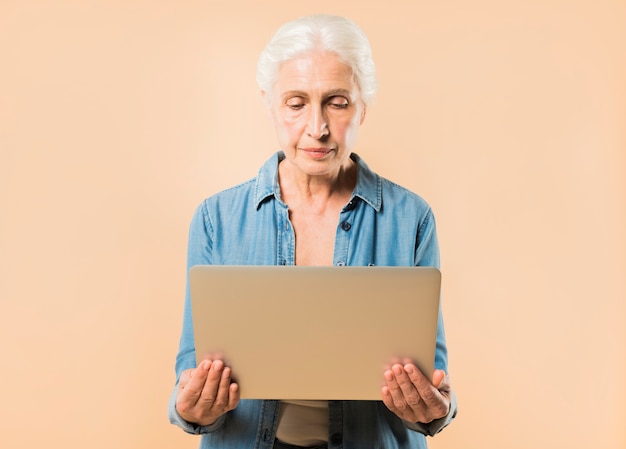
(231, 197)
(254, 189)
(393, 190)
(380, 190)
(238, 189)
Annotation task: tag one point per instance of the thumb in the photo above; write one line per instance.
(438, 376)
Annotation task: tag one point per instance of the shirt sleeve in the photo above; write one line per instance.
(198, 253)
(427, 254)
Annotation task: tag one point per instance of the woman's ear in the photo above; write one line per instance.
(363, 112)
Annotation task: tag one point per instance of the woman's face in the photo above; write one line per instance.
(317, 111)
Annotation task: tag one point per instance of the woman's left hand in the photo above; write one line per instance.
(412, 396)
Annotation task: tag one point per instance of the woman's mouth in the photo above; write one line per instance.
(316, 153)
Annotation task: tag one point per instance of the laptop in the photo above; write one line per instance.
(314, 333)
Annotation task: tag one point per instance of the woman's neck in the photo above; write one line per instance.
(318, 191)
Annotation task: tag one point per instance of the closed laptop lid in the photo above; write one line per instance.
(292, 332)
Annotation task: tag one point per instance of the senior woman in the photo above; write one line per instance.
(314, 202)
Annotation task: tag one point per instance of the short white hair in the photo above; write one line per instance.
(320, 32)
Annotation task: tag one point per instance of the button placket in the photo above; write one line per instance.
(286, 237)
(342, 238)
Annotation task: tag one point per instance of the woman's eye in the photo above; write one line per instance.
(338, 102)
(295, 104)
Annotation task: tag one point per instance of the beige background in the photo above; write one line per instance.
(118, 117)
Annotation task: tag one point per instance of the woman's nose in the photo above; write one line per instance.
(317, 126)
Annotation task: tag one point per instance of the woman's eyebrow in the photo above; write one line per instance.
(335, 92)
(329, 93)
(293, 93)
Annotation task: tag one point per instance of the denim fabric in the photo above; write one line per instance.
(382, 224)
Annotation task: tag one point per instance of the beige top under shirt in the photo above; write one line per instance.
(303, 423)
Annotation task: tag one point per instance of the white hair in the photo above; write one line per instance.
(320, 33)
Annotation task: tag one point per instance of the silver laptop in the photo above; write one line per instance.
(314, 332)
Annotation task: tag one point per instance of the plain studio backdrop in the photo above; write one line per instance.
(118, 117)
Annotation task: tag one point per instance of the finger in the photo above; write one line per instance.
(432, 397)
(223, 391)
(394, 399)
(233, 397)
(404, 380)
(390, 380)
(211, 386)
(439, 379)
(392, 395)
(416, 377)
(395, 390)
(421, 382)
(387, 399)
(193, 388)
(409, 390)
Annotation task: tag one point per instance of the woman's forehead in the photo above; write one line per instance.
(314, 72)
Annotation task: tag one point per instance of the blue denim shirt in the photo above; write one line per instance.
(382, 224)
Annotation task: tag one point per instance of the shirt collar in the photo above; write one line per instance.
(368, 184)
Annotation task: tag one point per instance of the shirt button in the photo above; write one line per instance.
(345, 225)
(341, 263)
(336, 439)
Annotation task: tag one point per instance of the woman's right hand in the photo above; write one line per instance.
(206, 393)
